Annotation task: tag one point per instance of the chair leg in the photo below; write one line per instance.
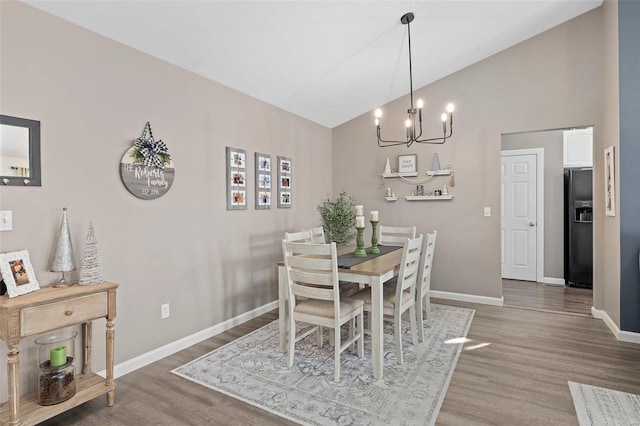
(292, 341)
(427, 306)
(336, 359)
(351, 333)
(319, 336)
(412, 318)
(361, 331)
(420, 318)
(398, 336)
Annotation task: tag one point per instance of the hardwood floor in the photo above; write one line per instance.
(532, 295)
(514, 370)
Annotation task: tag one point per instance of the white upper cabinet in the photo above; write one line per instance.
(578, 147)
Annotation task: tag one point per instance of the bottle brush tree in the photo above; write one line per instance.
(339, 218)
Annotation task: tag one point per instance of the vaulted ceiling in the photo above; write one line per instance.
(327, 61)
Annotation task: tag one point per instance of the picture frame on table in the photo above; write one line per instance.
(610, 181)
(17, 273)
(407, 163)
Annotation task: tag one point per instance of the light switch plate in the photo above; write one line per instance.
(6, 220)
(487, 211)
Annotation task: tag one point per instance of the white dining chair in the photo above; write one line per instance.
(314, 298)
(395, 235)
(398, 300)
(423, 286)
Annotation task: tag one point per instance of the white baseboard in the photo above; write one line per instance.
(621, 335)
(462, 297)
(553, 281)
(180, 344)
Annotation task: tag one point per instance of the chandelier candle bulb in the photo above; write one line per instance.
(359, 211)
(373, 216)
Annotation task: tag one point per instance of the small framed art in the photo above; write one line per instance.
(236, 179)
(263, 181)
(17, 273)
(285, 178)
(407, 163)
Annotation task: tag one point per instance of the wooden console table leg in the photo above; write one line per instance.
(13, 375)
(110, 356)
(87, 332)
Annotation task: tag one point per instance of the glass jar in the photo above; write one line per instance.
(56, 381)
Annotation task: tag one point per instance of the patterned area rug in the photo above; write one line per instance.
(597, 406)
(253, 370)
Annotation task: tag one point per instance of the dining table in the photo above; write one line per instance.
(373, 271)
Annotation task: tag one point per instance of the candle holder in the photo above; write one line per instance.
(56, 381)
(374, 238)
(360, 251)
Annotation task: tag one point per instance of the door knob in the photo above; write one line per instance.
(532, 224)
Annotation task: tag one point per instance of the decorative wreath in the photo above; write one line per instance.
(150, 152)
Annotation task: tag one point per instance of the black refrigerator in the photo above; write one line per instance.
(578, 227)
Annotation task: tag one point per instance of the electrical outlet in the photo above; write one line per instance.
(6, 220)
(165, 312)
(487, 211)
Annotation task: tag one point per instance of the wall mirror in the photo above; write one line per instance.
(19, 151)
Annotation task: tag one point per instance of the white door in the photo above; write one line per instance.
(518, 216)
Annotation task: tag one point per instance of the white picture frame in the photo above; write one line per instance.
(407, 163)
(17, 273)
(610, 181)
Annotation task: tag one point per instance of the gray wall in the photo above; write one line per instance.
(552, 143)
(553, 80)
(629, 30)
(93, 97)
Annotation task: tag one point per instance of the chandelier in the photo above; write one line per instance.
(415, 133)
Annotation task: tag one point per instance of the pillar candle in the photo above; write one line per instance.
(58, 356)
(359, 221)
(359, 210)
(374, 216)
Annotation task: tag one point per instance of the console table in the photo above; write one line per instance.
(45, 310)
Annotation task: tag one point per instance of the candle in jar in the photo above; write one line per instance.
(58, 356)
(359, 210)
(374, 216)
(359, 221)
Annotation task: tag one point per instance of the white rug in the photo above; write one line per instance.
(602, 407)
(253, 370)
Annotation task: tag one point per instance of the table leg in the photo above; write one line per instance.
(110, 355)
(282, 307)
(377, 339)
(13, 373)
(87, 338)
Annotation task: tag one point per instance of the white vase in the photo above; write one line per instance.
(387, 167)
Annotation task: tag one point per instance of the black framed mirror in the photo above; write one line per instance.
(19, 151)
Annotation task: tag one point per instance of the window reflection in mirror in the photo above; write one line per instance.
(19, 151)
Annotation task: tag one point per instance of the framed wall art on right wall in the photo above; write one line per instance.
(610, 181)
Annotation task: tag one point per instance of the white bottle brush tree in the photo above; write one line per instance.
(90, 271)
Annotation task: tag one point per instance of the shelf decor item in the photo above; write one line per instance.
(56, 381)
(435, 163)
(63, 260)
(91, 271)
(146, 169)
(339, 218)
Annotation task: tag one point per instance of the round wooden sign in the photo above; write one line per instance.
(146, 182)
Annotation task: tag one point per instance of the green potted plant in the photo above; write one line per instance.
(339, 218)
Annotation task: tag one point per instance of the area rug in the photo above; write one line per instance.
(602, 407)
(253, 370)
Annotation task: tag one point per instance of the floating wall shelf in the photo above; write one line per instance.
(403, 174)
(438, 172)
(428, 197)
(390, 199)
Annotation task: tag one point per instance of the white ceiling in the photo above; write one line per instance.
(327, 61)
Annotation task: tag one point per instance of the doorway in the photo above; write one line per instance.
(545, 291)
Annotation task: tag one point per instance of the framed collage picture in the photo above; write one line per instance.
(263, 181)
(284, 182)
(236, 179)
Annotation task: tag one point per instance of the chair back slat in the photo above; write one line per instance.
(395, 235)
(408, 275)
(298, 237)
(317, 235)
(320, 293)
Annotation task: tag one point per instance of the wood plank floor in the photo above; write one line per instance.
(513, 371)
(532, 295)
